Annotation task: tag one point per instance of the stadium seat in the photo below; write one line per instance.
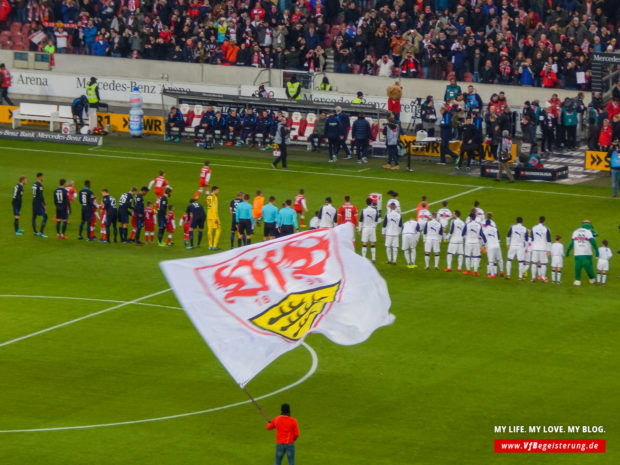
(356, 69)
(468, 77)
(309, 128)
(295, 124)
(374, 130)
(328, 40)
(16, 27)
(26, 29)
(396, 71)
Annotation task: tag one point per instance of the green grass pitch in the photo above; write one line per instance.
(464, 354)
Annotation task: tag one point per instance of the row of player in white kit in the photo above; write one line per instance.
(465, 240)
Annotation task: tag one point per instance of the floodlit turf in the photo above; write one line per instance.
(464, 354)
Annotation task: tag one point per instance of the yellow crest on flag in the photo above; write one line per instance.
(294, 315)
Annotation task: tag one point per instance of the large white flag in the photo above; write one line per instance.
(255, 303)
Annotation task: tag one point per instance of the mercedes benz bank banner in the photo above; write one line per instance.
(117, 89)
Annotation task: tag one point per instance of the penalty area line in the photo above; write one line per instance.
(449, 198)
(90, 315)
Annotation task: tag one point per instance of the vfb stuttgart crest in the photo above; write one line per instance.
(281, 287)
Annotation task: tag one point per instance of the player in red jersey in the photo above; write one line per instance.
(132, 234)
(149, 223)
(160, 183)
(102, 223)
(347, 213)
(71, 192)
(94, 218)
(299, 205)
(170, 224)
(185, 222)
(205, 177)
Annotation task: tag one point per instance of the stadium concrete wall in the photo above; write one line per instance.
(214, 77)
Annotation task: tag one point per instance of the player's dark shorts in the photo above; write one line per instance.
(38, 210)
(270, 230)
(111, 217)
(233, 226)
(161, 221)
(87, 214)
(62, 213)
(16, 209)
(197, 222)
(245, 227)
(123, 216)
(286, 230)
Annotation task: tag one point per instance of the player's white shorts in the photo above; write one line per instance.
(369, 235)
(391, 241)
(528, 256)
(410, 241)
(557, 261)
(494, 255)
(516, 252)
(431, 246)
(602, 265)
(539, 256)
(472, 250)
(455, 248)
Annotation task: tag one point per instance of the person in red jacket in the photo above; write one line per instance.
(613, 108)
(549, 78)
(604, 139)
(5, 83)
(287, 432)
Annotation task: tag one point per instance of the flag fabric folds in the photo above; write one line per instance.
(254, 303)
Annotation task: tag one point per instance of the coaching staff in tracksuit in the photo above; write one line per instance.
(332, 134)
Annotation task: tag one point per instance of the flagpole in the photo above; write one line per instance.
(256, 404)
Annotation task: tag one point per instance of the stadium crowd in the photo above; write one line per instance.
(535, 42)
(467, 237)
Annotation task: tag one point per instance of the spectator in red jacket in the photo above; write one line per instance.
(613, 108)
(604, 139)
(549, 78)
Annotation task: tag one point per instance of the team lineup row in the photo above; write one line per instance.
(467, 239)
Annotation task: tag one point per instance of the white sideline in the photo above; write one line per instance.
(318, 173)
(66, 323)
(451, 197)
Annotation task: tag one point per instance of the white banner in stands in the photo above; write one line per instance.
(118, 89)
(111, 89)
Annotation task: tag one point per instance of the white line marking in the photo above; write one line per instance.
(451, 197)
(90, 315)
(311, 371)
(318, 173)
(84, 298)
(362, 170)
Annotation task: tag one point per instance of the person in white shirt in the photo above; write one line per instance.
(455, 245)
(602, 264)
(541, 249)
(443, 215)
(479, 213)
(423, 216)
(392, 225)
(394, 200)
(315, 221)
(432, 241)
(557, 260)
(495, 262)
(367, 226)
(327, 214)
(472, 233)
(516, 239)
(411, 236)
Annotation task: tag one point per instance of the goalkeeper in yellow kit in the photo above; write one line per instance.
(214, 226)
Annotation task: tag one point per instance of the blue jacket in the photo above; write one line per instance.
(264, 124)
(361, 129)
(345, 122)
(89, 34)
(100, 48)
(249, 121)
(527, 76)
(446, 126)
(233, 121)
(332, 127)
